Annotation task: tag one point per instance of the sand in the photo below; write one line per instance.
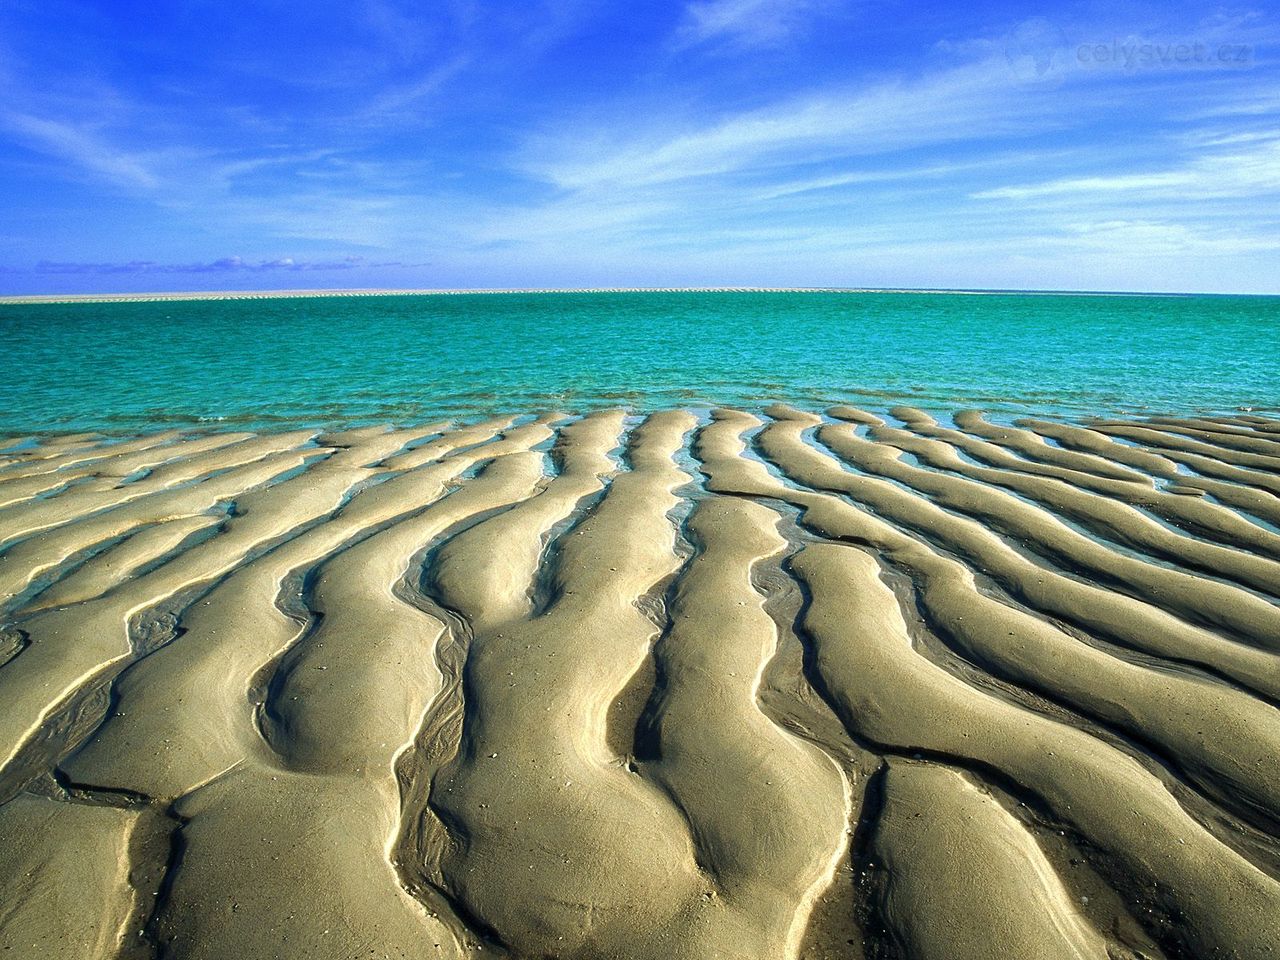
(162, 296)
(168, 295)
(774, 684)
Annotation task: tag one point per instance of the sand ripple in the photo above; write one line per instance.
(778, 685)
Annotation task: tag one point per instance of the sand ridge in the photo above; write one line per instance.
(773, 684)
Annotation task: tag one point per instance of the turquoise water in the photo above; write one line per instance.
(338, 360)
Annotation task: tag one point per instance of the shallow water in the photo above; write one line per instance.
(130, 366)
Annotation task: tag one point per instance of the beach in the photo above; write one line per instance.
(713, 480)
(752, 682)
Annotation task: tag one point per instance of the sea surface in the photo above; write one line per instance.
(322, 361)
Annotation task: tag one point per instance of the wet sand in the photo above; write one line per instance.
(776, 684)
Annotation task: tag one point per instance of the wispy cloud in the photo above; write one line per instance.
(403, 100)
(742, 23)
(83, 148)
(1252, 172)
(977, 101)
(909, 174)
(221, 265)
(1157, 238)
(1090, 186)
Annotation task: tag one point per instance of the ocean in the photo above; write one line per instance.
(124, 367)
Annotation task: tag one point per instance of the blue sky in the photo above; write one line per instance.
(199, 144)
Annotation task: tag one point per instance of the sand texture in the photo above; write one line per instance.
(737, 686)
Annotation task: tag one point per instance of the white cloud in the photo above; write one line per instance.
(393, 103)
(976, 101)
(1088, 186)
(1160, 238)
(81, 147)
(913, 174)
(1250, 172)
(741, 23)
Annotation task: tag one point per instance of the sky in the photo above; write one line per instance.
(206, 145)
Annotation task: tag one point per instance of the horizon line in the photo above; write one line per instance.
(181, 295)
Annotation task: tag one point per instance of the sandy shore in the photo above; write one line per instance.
(456, 291)
(392, 292)
(776, 685)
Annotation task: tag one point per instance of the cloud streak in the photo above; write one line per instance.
(978, 101)
(742, 23)
(221, 265)
(83, 148)
(1252, 173)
